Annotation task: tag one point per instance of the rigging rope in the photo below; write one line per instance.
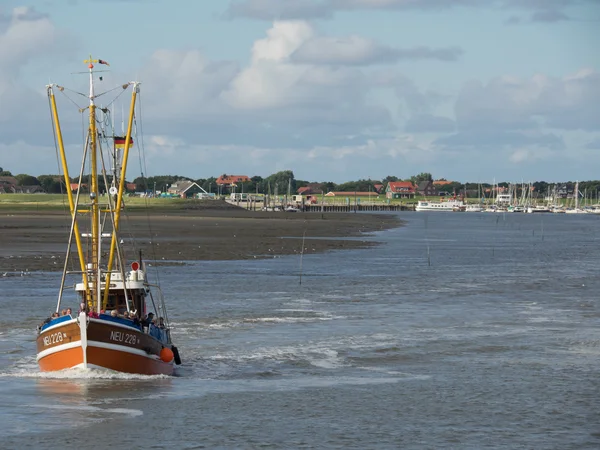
(62, 90)
(143, 170)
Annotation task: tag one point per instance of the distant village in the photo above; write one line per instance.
(284, 183)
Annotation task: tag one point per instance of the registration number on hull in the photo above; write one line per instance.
(126, 338)
(54, 338)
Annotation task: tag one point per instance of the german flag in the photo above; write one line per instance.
(120, 141)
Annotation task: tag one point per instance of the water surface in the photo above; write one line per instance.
(467, 331)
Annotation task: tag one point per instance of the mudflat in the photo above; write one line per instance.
(37, 240)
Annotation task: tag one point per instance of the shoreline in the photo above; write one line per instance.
(33, 240)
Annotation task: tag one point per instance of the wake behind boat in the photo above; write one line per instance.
(122, 322)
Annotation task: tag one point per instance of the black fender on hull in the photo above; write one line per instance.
(176, 355)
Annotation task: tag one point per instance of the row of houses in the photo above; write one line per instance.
(9, 185)
(393, 190)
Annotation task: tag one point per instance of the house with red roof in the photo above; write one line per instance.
(74, 187)
(311, 189)
(349, 194)
(400, 189)
(232, 180)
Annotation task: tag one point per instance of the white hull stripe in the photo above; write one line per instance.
(121, 348)
(58, 348)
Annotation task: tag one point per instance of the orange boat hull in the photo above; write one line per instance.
(101, 345)
(64, 359)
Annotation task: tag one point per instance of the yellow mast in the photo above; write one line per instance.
(63, 158)
(117, 205)
(95, 216)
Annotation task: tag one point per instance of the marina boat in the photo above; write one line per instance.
(122, 322)
(538, 209)
(474, 208)
(450, 205)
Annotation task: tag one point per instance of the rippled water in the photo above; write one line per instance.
(461, 331)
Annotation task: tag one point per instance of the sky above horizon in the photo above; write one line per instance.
(334, 90)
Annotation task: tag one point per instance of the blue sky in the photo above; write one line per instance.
(334, 90)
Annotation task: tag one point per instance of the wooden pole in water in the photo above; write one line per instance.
(302, 252)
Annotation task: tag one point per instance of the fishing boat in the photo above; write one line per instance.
(122, 322)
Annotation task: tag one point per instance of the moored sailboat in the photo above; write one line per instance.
(115, 328)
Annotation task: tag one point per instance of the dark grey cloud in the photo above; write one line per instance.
(355, 50)
(540, 5)
(21, 14)
(594, 144)
(542, 10)
(279, 9)
(513, 20)
(549, 16)
(323, 9)
(400, 4)
(428, 123)
(28, 14)
(542, 16)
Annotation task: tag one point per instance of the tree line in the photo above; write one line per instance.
(279, 183)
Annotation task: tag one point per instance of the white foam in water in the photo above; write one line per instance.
(79, 374)
(403, 375)
(285, 319)
(316, 355)
(193, 327)
(286, 384)
(126, 411)
(322, 354)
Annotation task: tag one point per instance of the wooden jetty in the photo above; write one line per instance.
(331, 207)
(356, 208)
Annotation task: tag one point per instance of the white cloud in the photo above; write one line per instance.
(512, 103)
(27, 34)
(180, 82)
(539, 119)
(270, 81)
(277, 89)
(527, 155)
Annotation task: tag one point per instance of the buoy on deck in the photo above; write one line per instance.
(166, 355)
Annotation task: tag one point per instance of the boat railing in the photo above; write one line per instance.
(120, 320)
(56, 321)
